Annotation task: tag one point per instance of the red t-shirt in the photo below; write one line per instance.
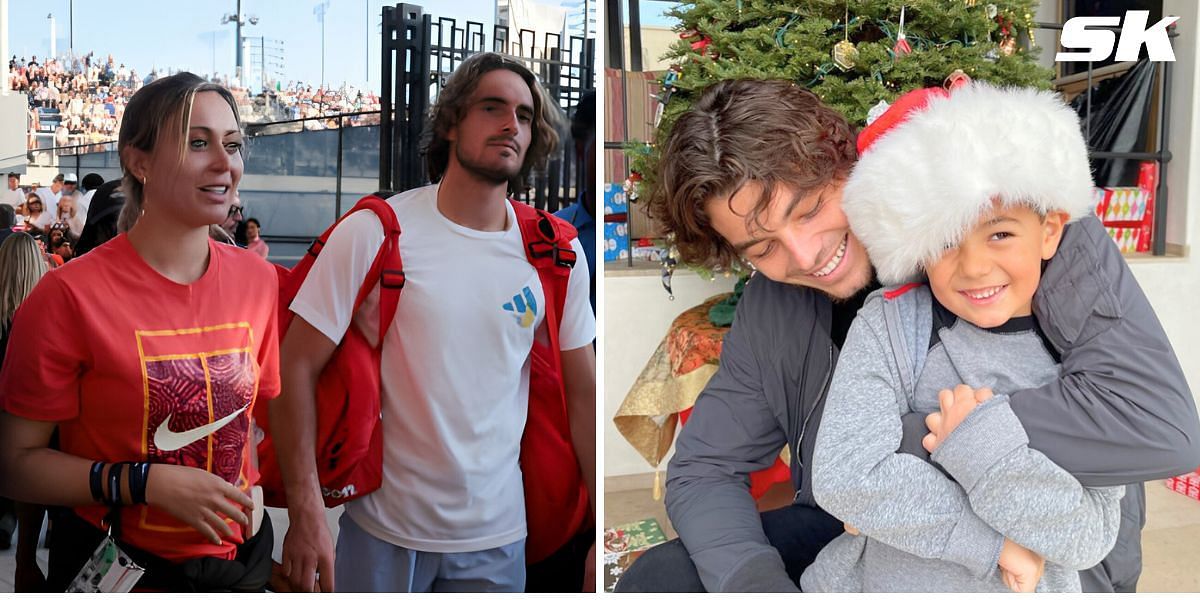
(135, 367)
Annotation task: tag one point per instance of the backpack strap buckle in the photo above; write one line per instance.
(564, 257)
(315, 247)
(561, 257)
(392, 278)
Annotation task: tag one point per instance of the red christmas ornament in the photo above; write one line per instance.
(701, 45)
(956, 79)
(902, 48)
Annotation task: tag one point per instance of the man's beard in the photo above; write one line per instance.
(493, 175)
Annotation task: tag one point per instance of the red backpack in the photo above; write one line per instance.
(349, 435)
(349, 444)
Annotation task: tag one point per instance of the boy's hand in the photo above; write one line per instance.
(850, 529)
(1020, 568)
(955, 406)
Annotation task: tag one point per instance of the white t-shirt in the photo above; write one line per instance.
(49, 200)
(13, 198)
(85, 201)
(43, 221)
(455, 369)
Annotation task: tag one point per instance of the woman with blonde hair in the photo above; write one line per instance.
(37, 218)
(148, 353)
(22, 264)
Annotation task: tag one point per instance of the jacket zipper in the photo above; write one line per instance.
(799, 454)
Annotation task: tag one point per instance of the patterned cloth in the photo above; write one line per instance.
(668, 386)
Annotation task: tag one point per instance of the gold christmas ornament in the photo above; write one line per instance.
(845, 55)
(972, 3)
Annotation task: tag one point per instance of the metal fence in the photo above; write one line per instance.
(1160, 147)
(419, 53)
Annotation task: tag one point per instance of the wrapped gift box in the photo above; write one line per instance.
(1127, 238)
(1122, 203)
(1100, 200)
(616, 241)
(623, 545)
(614, 199)
(1128, 212)
(1188, 484)
(645, 250)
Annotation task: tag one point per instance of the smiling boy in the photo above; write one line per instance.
(983, 207)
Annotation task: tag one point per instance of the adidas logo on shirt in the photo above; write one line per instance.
(523, 307)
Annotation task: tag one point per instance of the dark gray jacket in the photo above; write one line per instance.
(1120, 414)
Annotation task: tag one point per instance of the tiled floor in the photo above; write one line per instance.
(1170, 540)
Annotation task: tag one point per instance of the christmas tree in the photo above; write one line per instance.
(851, 53)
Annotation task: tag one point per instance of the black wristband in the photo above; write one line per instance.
(138, 474)
(94, 481)
(114, 484)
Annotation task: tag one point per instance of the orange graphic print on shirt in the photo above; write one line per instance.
(198, 386)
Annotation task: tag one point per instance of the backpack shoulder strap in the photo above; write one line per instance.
(547, 241)
(387, 269)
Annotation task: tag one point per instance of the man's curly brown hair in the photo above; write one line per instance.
(451, 105)
(772, 132)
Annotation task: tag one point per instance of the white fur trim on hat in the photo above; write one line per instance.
(923, 185)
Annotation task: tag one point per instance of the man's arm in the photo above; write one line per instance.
(1122, 411)
(323, 309)
(1017, 490)
(308, 546)
(730, 434)
(579, 377)
(577, 333)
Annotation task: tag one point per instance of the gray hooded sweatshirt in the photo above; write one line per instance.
(1121, 413)
(921, 530)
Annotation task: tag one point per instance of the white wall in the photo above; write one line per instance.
(14, 118)
(1183, 132)
(656, 41)
(637, 315)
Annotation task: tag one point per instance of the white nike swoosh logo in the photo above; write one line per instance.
(168, 440)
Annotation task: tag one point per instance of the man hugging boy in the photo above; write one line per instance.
(969, 190)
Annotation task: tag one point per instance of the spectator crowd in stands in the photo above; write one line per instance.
(88, 96)
(55, 216)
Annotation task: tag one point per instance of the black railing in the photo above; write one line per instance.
(340, 124)
(419, 51)
(1161, 153)
(300, 174)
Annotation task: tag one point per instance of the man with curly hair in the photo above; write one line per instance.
(450, 515)
(754, 172)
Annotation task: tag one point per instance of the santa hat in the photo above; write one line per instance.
(930, 166)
